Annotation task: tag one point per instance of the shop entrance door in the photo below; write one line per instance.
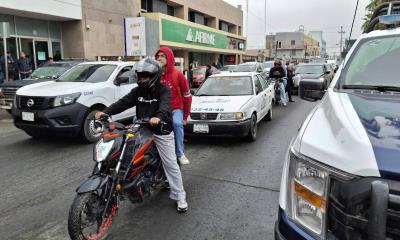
(41, 52)
(36, 50)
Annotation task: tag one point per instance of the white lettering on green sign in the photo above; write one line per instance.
(200, 37)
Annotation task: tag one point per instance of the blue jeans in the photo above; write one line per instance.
(282, 91)
(177, 123)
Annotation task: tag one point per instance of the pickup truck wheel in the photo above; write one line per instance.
(252, 135)
(89, 127)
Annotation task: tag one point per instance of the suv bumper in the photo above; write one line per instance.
(285, 229)
(237, 129)
(65, 120)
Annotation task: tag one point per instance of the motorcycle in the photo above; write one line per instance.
(127, 166)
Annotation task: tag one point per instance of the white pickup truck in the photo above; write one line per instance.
(66, 106)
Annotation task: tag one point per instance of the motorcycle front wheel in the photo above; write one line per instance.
(85, 220)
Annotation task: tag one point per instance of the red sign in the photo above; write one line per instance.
(231, 59)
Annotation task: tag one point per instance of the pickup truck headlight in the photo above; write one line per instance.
(232, 116)
(307, 192)
(66, 99)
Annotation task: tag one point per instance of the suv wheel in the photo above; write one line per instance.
(89, 127)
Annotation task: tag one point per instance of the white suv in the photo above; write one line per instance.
(66, 106)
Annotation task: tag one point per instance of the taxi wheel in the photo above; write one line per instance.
(88, 129)
(252, 135)
(268, 117)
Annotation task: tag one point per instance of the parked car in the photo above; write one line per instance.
(267, 66)
(228, 68)
(67, 106)
(199, 75)
(313, 74)
(47, 72)
(341, 175)
(231, 104)
(252, 67)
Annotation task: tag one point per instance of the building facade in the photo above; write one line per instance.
(292, 45)
(91, 28)
(319, 36)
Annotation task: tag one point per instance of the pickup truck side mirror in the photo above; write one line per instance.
(328, 72)
(192, 92)
(121, 80)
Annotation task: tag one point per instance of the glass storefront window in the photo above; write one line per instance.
(10, 19)
(55, 30)
(32, 27)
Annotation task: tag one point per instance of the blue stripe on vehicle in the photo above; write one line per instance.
(380, 116)
(290, 230)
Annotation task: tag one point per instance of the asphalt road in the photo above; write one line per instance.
(232, 186)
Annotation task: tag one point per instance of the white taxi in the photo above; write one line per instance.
(231, 104)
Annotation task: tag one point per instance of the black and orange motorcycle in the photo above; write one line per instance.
(128, 166)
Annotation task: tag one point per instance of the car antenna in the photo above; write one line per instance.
(351, 31)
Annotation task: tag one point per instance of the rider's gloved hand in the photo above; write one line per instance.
(154, 121)
(98, 115)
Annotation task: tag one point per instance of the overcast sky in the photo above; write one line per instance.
(287, 15)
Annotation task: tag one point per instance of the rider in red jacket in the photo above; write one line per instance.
(181, 98)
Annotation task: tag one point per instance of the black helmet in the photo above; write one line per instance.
(148, 73)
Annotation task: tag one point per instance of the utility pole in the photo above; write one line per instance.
(265, 20)
(341, 38)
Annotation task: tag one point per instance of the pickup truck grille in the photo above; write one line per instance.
(7, 98)
(351, 210)
(203, 116)
(33, 103)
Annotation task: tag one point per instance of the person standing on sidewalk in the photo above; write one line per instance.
(181, 98)
(24, 66)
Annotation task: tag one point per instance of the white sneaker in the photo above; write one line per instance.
(284, 104)
(182, 205)
(183, 160)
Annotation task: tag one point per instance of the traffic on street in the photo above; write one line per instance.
(199, 120)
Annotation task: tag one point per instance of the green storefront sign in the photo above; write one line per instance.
(181, 33)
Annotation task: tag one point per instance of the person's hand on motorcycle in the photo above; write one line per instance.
(154, 121)
(98, 115)
(184, 122)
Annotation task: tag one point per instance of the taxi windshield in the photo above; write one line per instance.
(226, 86)
(374, 63)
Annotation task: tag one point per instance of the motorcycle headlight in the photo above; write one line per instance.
(232, 116)
(102, 149)
(307, 192)
(66, 99)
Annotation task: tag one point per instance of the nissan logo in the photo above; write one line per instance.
(203, 116)
(30, 102)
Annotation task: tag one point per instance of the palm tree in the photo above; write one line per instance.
(370, 9)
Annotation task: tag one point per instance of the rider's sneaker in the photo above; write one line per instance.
(183, 160)
(284, 104)
(182, 206)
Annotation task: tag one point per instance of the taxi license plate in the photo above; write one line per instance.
(200, 128)
(28, 116)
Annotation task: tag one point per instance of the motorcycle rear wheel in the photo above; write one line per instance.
(81, 217)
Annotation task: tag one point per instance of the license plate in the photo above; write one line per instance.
(28, 116)
(200, 128)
